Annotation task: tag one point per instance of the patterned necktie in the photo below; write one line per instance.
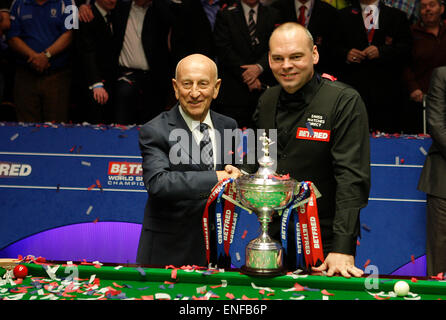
(108, 21)
(370, 26)
(302, 18)
(252, 27)
(207, 155)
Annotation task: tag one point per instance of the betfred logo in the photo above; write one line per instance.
(317, 135)
(8, 169)
(125, 168)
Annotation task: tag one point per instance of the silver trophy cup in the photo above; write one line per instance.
(264, 195)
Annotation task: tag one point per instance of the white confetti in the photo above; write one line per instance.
(261, 288)
(86, 163)
(14, 137)
(423, 151)
(397, 160)
(162, 296)
(89, 210)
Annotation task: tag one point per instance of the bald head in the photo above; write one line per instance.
(291, 30)
(197, 60)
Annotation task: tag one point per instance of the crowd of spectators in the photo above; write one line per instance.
(112, 61)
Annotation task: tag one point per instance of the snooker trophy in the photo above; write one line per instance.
(264, 193)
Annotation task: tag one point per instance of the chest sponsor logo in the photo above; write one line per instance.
(316, 135)
(316, 120)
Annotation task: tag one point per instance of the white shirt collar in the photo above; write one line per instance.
(374, 4)
(101, 10)
(307, 4)
(246, 9)
(194, 124)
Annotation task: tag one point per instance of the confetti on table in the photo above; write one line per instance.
(413, 279)
(325, 292)
(261, 288)
(377, 297)
(201, 289)
(296, 287)
(162, 296)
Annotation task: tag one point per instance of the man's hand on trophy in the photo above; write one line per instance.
(234, 172)
(229, 172)
(339, 263)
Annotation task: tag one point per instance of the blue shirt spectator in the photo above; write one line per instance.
(40, 25)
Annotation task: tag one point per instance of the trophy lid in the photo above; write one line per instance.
(265, 175)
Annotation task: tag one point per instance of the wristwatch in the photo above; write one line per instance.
(47, 54)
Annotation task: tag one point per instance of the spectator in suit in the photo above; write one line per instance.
(41, 35)
(428, 53)
(432, 180)
(94, 43)
(172, 231)
(375, 48)
(241, 37)
(141, 30)
(197, 18)
(322, 20)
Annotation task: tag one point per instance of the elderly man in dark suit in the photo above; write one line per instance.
(172, 230)
(432, 179)
(241, 38)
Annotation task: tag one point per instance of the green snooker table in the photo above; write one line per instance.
(95, 281)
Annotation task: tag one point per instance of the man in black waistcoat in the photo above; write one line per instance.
(322, 136)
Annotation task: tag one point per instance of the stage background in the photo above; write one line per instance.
(74, 192)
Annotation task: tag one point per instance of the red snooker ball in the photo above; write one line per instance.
(20, 271)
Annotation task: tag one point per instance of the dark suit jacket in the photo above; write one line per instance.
(94, 42)
(172, 229)
(234, 49)
(378, 80)
(323, 26)
(191, 30)
(157, 23)
(432, 179)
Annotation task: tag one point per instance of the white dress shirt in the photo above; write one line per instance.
(132, 53)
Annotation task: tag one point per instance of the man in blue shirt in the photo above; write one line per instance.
(41, 34)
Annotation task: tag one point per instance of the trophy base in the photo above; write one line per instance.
(262, 272)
